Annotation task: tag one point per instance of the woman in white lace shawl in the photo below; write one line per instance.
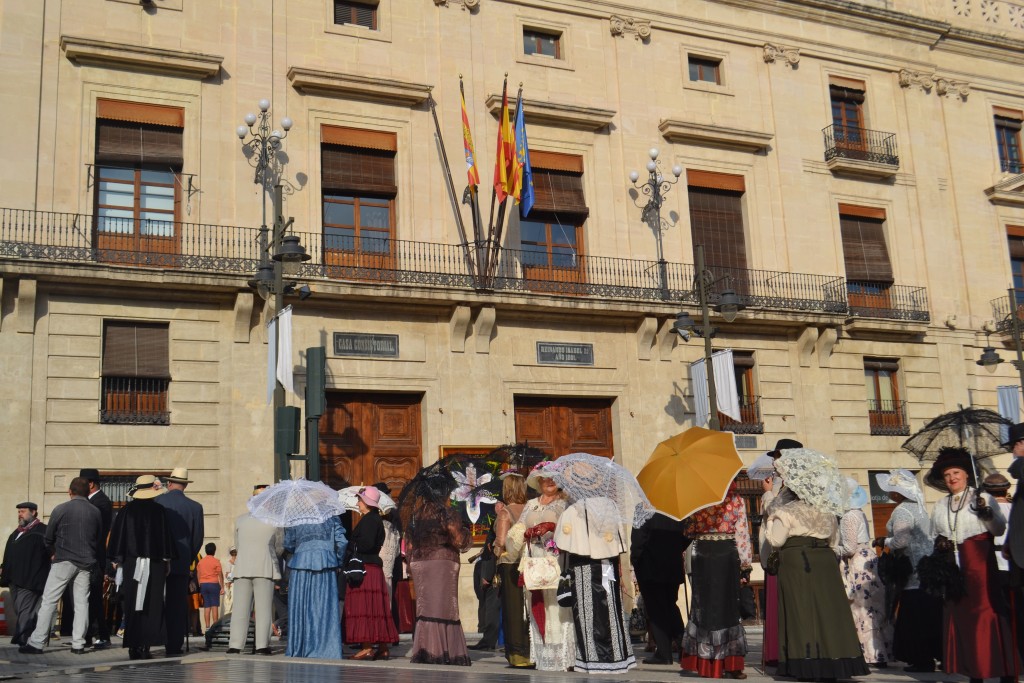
(917, 634)
(817, 638)
(860, 575)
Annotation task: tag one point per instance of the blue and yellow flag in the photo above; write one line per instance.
(522, 186)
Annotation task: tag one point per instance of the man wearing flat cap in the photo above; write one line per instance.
(185, 519)
(26, 565)
(99, 626)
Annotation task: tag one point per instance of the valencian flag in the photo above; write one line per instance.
(505, 157)
(467, 143)
(522, 186)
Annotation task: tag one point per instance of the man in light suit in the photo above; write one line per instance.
(185, 519)
(256, 568)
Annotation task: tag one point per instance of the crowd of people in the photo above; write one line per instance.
(941, 590)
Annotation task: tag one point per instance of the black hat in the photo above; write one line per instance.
(1016, 433)
(89, 474)
(28, 505)
(382, 487)
(784, 444)
(950, 456)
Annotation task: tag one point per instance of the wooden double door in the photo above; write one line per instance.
(560, 425)
(367, 438)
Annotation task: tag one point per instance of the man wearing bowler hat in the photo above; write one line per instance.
(26, 565)
(185, 519)
(99, 626)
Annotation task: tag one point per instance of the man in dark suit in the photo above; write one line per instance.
(99, 625)
(489, 609)
(185, 519)
(1013, 546)
(657, 556)
(25, 568)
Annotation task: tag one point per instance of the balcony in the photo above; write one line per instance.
(750, 417)
(888, 418)
(1001, 309)
(890, 302)
(215, 249)
(859, 151)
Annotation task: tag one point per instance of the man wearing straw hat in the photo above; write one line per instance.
(185, 519)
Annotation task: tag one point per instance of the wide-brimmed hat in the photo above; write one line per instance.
(996, 484)
(857, 497)
(144, 487)
(781, 445)
(179, 476)
(1014, 434)
(370, 495)
(541, 470)
(949, 457)
(902, 482)
(89, 474)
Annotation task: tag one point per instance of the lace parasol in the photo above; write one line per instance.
(814, 477)
(292, 502)
(582, 476)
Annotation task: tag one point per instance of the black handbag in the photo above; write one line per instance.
(354, 572)
(771, 565)
(747, 608)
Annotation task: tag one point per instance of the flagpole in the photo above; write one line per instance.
(493, 266)
(492, 244)
(474, 207)
(451, 188)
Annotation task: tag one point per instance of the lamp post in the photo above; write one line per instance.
(989, 358)
(277, 248)
(655, 188)
(728, 305)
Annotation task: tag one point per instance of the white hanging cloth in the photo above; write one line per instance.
(1009, 407)
(726, 395)
(284, 350)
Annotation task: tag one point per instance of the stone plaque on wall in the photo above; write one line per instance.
(375, 345)
(553, 353)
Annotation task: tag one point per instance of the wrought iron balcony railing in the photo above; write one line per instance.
(1002, 308)
(888, 418)
(76, 238)
(135, 401)
(750, 417)
(892, 302)
(861, 144)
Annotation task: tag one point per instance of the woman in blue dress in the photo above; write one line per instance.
(314, 623)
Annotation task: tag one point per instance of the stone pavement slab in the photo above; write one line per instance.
(111, 665)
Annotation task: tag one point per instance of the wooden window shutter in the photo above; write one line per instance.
(359, 162)
(862, 211)
(743, 359)
(715, 181)
(132, 133)
(559, 192)
(716, 222)
(1015, 239)
(132, 349)
(864, 252)
(881, 364)
(554, 161)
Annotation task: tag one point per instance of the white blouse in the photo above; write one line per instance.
(853, 533)
(953, 518)
(800, 519)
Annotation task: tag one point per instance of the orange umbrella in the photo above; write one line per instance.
(690, 471)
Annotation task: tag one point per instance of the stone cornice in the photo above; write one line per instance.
(140, 58)
(1009, 192)
(675, 130)
(983, 45)
(351, 86)
(556, 114)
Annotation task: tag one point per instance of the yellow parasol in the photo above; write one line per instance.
(690, 471)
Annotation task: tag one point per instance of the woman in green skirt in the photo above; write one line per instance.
(817, 636)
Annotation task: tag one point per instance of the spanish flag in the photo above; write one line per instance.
(505, 157)
(467, 143)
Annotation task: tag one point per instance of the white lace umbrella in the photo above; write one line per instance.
(583, 476)
(292, 502)
(814, 477)
(349, 495)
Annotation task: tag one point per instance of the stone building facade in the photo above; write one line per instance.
(852, 169)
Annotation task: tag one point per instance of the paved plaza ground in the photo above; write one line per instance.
(201, 666)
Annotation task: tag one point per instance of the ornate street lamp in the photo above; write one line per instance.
(278, 248)
(729, 306)
(655, 188)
